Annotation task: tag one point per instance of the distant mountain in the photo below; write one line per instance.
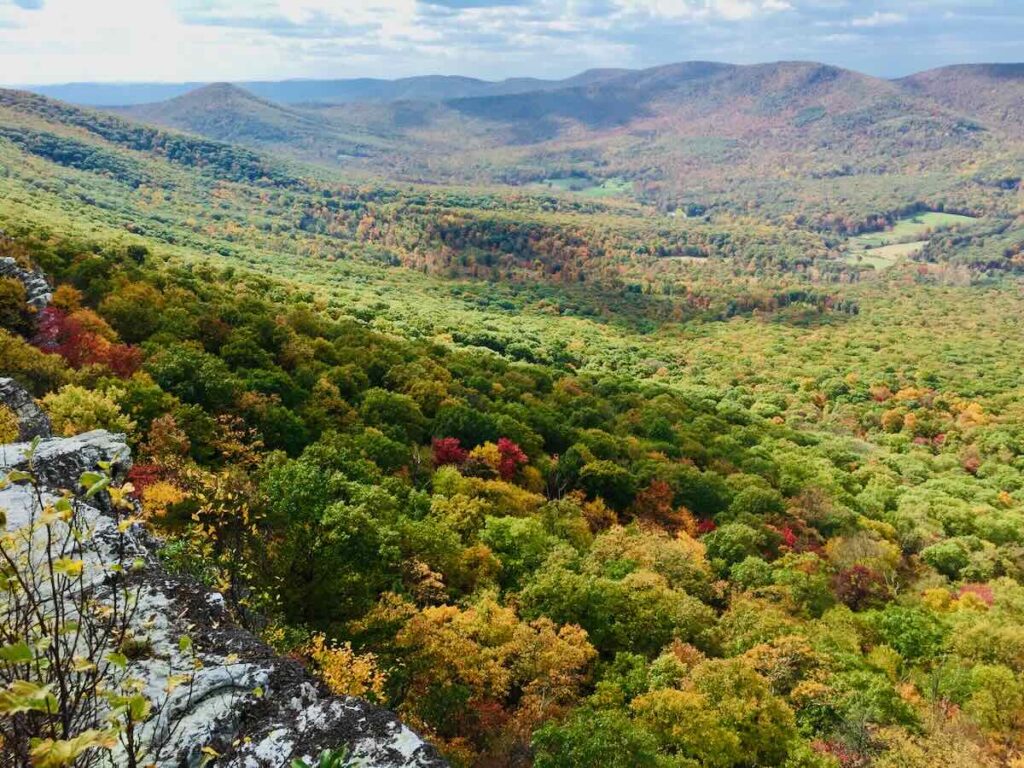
(993, 93)
(112, 94)
(694, 134)
(228, 113)
(517, 111)
(366, 89)
(992, 89)
(722, 98)
(232, 114)
(426, 88)
(83, 139)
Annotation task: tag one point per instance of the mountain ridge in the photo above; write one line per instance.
(344, 90)
(311, 90)
(696, 135)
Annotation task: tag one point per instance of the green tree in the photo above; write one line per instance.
(134, 310)
(15, 315)
(394, 414)
(733, 543)
(595, 739)
(193, 375)
(914, 633)
(75, 409)
(607, 480)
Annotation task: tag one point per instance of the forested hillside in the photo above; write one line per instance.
(720, 467)
(821, 144)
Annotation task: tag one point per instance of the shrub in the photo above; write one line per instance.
(345, 672)
(67, 697)
(74, 410)
(8, 425)
(14, 312)
(37, 371)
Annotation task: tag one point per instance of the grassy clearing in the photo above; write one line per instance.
(912, 228)
(589, 187)
(907, 236)
(610, 188)
(887, 255)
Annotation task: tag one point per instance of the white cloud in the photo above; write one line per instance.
(728, 10)
(175, 40)
(879, 19)
(166, 40)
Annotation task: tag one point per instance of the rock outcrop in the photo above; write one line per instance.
(37, 291)
(243, 703)
(32, 422)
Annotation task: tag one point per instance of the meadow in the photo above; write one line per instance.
(589, 187)
(908, 236)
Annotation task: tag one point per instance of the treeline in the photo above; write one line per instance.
(75, 154)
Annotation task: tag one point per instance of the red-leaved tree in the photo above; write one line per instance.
(512, 458)
(447, 450)
(861, 587)
(83, 338)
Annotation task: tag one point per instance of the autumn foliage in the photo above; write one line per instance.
(83, 338)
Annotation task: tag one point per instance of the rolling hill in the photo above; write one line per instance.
(777, 138)
(660, 418)
(228, 113)
(992, 93)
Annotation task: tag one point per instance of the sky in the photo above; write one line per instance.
(58, 41)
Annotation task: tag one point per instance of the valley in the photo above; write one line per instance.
(666, 417)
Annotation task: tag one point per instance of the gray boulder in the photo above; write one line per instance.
(253, 707)
(59, 462)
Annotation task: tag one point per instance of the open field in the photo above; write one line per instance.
(912, 228)
(588, 187)
(907, 237)
(884, 256)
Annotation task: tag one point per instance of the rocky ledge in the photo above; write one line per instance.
(32, 422)
(37, 290)
(245, 706)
